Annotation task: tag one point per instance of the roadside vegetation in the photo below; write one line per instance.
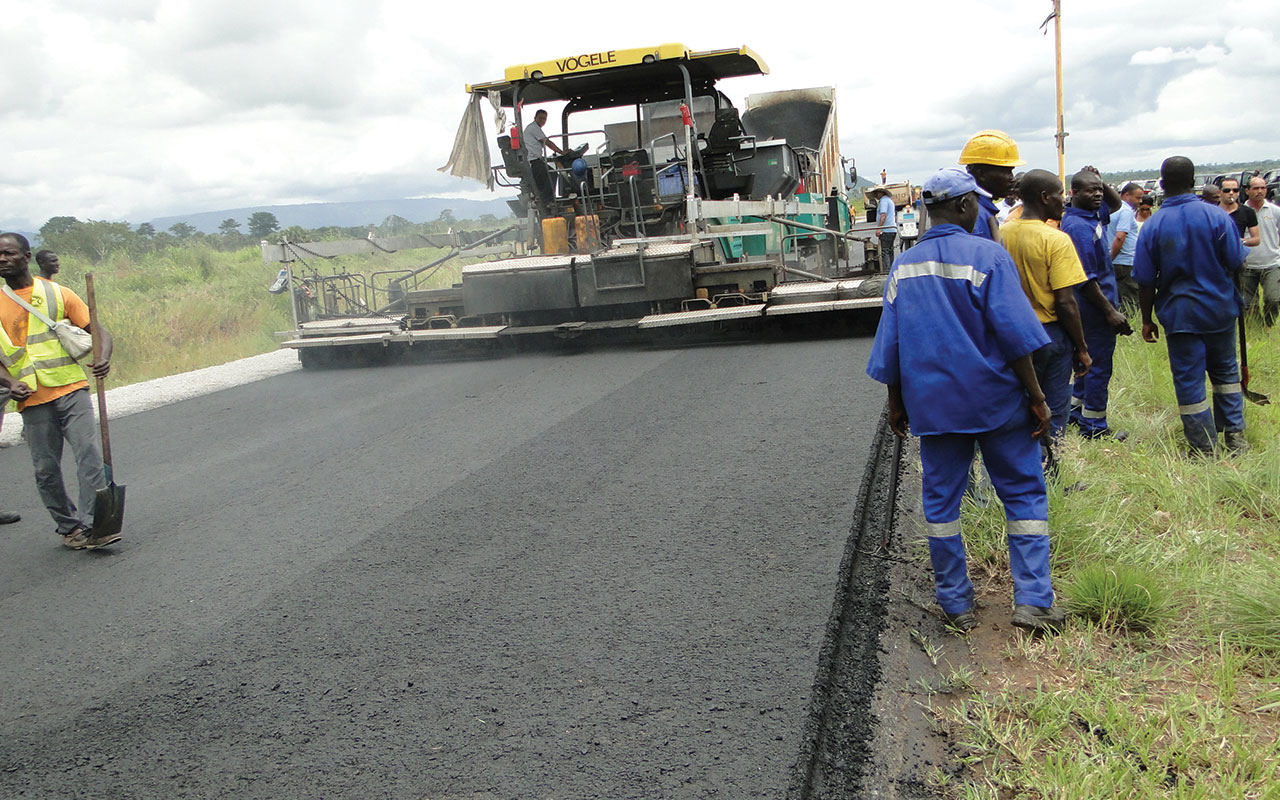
(1166, 682)
(181, 300)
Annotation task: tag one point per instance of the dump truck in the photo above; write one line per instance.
(668, 211)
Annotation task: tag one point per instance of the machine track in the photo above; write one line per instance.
(837, 741)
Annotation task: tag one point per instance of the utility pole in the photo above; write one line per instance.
(1057, 50)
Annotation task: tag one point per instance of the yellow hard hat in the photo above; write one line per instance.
(991, 147)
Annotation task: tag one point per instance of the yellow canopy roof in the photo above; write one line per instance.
(621, 77)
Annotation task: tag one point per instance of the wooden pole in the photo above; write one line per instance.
(1057, 51)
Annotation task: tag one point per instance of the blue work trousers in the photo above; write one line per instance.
(1089, 395)
(1053, 364)
(1013, 459)
(46, 426)
(1191, 357)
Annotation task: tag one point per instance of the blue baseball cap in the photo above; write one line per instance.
(947, 183)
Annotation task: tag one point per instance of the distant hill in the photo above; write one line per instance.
(345, 215)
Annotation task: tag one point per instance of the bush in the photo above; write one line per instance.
(1118, 596)
(1249, 610)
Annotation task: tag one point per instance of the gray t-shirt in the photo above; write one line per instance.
(1267, 253)
(535, 141)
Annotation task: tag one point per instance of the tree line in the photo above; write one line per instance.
(97, 240)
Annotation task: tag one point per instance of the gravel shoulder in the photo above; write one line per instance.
(138, 397)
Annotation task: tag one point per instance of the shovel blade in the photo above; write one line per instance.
(108, 510)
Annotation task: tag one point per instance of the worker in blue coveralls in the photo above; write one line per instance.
(954, 347)
(990, 156)
(1085, 221)
(1184, 265)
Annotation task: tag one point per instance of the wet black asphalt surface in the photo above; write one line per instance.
(604, 574)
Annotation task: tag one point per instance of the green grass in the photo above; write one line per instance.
(190, 307)
(1117, 596)
(1167, 681)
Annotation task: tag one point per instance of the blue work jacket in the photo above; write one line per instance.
(986, 213)
(1088, 232)
(954, 318)
(1189, 251)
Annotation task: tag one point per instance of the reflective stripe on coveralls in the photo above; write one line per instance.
(1087, 230)
(956, 272)
(1013, 459)
(1190, 357)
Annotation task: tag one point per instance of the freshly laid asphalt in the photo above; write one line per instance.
(601, 574)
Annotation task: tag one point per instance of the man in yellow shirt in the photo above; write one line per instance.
(52, 393)
(1049, 266)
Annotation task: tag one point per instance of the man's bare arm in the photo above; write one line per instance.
(1118, 243)
(1118, 322)
(1146, 302)
(1026, 372)
(1253, 239)
(1064, 302)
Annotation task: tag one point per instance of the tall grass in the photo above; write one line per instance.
(189, 307)
(1165, 685)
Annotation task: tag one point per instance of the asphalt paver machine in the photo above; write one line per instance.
(667, 209)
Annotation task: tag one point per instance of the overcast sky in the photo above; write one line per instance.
(133, 109)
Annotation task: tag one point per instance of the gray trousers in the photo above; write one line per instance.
(1269, 280)
(69, 417)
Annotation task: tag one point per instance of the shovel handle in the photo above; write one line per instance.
(97, 353)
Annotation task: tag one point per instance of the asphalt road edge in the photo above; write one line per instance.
(839, 731)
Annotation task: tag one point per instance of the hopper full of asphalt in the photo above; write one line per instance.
(604, 574)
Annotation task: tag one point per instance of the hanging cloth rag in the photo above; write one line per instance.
(470, 156)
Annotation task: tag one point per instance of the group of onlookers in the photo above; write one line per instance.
(999, 327)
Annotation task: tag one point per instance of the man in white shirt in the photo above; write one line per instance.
(886, 226)
(1123, 235)
(1262, 266)
(535, 143)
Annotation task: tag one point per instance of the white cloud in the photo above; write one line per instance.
(1209, 54)
(141, 108)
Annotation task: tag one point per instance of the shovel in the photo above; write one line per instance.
(108, 507)
(1253, 397)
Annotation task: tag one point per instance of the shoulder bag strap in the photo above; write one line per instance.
(14, 297)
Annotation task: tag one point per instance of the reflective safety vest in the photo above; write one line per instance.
(42, 360)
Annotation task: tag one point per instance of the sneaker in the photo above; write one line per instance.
(1038, 618)
(1236, 442)
(94, 542)
(9, 517)
(963, 621)
(77, 539)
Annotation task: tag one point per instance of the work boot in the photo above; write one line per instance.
(1038, 618)
(1105, 433)
(1236, 442)
(9, 517)
(963, 621)
(1194, 453)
